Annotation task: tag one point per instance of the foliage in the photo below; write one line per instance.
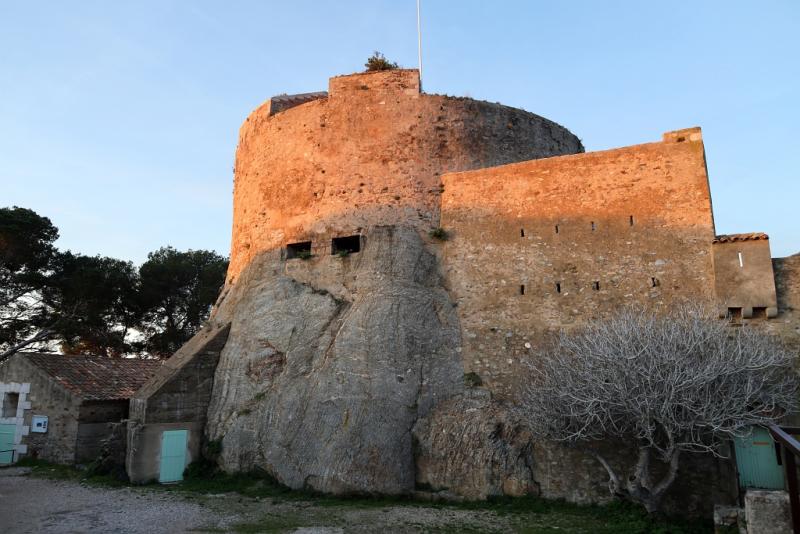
(304, 255)
(26, 256)
(177, 292)
(343, 253)
(472, 380)
(377, 62)
(214, 447)
(666, 383)
(439, 233)
(93, 304)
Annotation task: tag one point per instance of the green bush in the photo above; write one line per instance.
(472, 380)
(439, 233)
(378, 62)
(214, 447)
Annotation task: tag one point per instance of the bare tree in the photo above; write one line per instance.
(668, 383)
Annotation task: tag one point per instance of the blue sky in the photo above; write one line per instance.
(119, 120)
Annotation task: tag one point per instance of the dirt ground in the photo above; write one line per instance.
(29, 504)
(47, 498)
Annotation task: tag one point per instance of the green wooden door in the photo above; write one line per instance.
(173, 455)
(6, 444)
(757, 461)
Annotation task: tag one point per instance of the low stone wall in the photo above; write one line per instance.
(471, 446)
(767, 512)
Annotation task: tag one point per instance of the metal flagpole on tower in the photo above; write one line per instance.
(419, 45)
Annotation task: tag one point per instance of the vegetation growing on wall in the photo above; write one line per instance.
(377, 62)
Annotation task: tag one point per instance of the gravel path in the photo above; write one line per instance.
(29, 504)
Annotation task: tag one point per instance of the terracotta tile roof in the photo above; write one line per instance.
(96, 377)
(730, 238)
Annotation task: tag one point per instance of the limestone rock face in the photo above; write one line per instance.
(322, 389)
(471, 446)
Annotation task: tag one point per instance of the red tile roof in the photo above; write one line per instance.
(730, 238)
(96, 377)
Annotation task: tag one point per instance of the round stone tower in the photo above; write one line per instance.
(369, 152)
(329, 363)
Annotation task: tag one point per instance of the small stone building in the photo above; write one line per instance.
(60, 408)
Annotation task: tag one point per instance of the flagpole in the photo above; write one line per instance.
(419, 44)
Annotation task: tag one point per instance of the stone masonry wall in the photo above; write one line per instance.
(46, 397)
(175, 398)
(744, 279)
(787, 285)
(96, 422)
(296, 179)
(551, 243)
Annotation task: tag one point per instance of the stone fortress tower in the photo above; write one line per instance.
(336, 356)
(369, 152)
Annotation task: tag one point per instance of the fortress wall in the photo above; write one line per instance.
(787, 285)
(608, 229)
(371, 153)
(743, 277)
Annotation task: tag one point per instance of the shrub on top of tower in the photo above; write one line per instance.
(377, 62)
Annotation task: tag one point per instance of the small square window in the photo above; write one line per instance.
(298, 250)
(10, 404)
(346, 245)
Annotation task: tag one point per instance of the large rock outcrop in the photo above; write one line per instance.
(321, 387)
(471, 446)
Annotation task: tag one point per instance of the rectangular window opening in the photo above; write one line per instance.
(522, 289)
(298, 250)
(735, 314)
(558, 287)
(759, 312)
(346, 245)
(596, 285)
(741, 260)
(10, 404)
(631, 220)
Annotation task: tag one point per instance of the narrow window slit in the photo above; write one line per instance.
(558, 287)
(596, 285)
(522, 232)
(654, 282)
(594, 226)
(522, 289)
(630, 220)
(556, 228)
(741, 260)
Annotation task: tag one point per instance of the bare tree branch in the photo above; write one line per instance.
(669, 383)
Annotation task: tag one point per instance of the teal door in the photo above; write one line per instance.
(757, 461)
(173, 455)
(6, 444)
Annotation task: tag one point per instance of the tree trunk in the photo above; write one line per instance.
(637, 488)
